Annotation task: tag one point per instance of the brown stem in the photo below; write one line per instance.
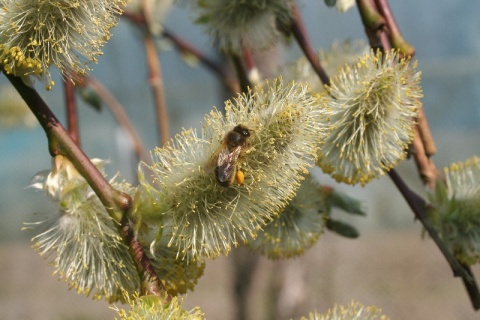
(249, 61)
(244, 265)
(472, 288)
(72, 115)
(185, 47)
(119, 114)
(418, 206)
(394, 34)
(136, 18)
(373, 23)
(301, 37)
(426, 168)
(151, 284)
(425, 134)
(245, 84)
(156, 82)
(117, 203)
(60, 143)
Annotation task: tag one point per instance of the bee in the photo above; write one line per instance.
(225, 158)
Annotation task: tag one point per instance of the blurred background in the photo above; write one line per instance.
(389, 266)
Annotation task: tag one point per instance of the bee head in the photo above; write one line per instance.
(242, 130)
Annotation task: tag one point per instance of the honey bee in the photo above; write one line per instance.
(225, 158)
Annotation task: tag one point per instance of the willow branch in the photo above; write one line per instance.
(472, 288)
(418, 206)
(300, 35)
(396, 38)
(426, 134)
(374, 24)
(119, 114)
(426, 168)
(60, 143)
(156, 82)
(245, 84)
(72, 115)
(141, 20)
(186, 48)
(118, 204)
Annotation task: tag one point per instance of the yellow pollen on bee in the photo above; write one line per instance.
(239, 177)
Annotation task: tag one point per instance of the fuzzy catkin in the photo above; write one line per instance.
(202, 218)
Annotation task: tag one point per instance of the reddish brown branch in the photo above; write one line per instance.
(418, 206)
(155, 75)
(118, 204)
(426, 168)
(396, 38)
(301, 37)
(186, 48)
(425, 134)
(245, 84)
(374, 24)
(72, 115)
(151, 284)
(119, 114)
(156, 83)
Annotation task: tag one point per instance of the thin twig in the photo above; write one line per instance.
(396, 38)
(418, 206)
(72, 115)
(301, 37)
(155, 79)
(245, 84)
(472, 288)
(184, 47)
(425, 166)
(426, 134)
(156, 82)
(374, 25)
(120, 115)
(251, 68)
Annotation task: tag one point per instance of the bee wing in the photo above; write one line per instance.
(226, 163)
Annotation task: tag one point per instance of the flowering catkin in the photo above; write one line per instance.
(89, 253)
(374, 104)
(352, 311)
(238, 24)
(150, 307)
(297, 227)
(67, 34)
(455, 210)
(204, 218)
